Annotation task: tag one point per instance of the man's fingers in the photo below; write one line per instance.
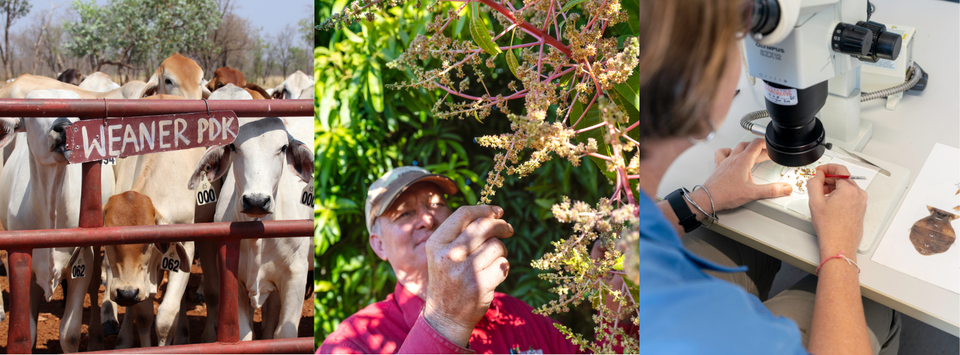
(488, 253)
(459, 220)
(778, 189)
(482, 230)
(494, 274)
(834, 169)
(721, 154)
(762, 157)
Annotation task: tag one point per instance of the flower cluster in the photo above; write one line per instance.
(589, 276)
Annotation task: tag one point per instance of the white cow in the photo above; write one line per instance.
(39, 190)
(265, 171)
(98, 82)
(293, 86)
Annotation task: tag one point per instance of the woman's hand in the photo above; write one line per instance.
(837, 207)
(731, 185)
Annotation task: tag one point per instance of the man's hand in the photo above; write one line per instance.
(465, 261)
(731, 185)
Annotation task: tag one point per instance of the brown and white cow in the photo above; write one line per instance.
(133, 271)
(226, 75)
(71, 76)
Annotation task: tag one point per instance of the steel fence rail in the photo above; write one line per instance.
(91, 231)
(55, 238)
(100, 108)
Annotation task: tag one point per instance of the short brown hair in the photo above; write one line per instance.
(683, 53)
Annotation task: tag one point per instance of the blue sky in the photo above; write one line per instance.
(270, 15)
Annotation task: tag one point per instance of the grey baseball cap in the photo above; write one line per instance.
(386, 189)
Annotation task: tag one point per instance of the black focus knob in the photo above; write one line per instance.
(852, 39)
(886, 45)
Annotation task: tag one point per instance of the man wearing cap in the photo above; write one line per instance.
(446, 305)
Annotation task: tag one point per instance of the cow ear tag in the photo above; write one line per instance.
(171, 261)
(110, 161)
(205, 193)
(306, 196)
(79, 267)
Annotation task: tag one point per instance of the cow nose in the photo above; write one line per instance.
(256, 204)
(127, 298)
(57, 134)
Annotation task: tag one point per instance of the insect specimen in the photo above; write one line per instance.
(933, 234)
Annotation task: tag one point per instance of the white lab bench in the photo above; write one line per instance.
(904, 137)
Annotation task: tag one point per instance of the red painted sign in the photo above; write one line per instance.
(91, 140)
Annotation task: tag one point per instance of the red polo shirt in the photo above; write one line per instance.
(395, 325)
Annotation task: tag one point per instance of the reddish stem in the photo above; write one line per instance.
(601, 124)
(530, 28)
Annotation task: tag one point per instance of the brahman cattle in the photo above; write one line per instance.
(71, 76)
(265, 171)
(39, 190)
(226, 75)
(98, 82)
(293, 86)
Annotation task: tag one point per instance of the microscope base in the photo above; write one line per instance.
(885, 194)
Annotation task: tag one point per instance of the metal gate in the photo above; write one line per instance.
(91, 232)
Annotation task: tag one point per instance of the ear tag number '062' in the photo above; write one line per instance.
(170, 262)
(79, 267)
(306, 197)
(205, 193)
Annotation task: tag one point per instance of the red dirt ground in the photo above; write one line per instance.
(48, 327)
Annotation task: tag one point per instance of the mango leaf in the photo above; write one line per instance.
(632, 26)
(352, 36)
(512, 60)
(630, 90)
(373, 82)
(592, 118)
(479, 31)
(570, 5)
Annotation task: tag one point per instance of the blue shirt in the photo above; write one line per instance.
(685, 311)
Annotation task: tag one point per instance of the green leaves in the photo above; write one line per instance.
(479, 31)
(570, 5)
(512, 59)
(373, 82)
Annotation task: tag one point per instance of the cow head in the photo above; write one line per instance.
(133, 270)
(259, 154)
(293, 86)
(177, 75)
(46, 136)
(226, 75)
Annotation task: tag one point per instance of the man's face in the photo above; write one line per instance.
(404, 229)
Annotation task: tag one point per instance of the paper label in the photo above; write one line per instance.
(111, 161)
(205, 193)
(171, 261)
(79, 267)
(783, 97)
(306, 196)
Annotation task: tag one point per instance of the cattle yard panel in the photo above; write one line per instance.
(92, 233)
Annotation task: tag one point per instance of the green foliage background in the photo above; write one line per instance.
(364, 130)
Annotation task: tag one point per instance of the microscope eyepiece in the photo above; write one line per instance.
(886, 44)
(764, 17)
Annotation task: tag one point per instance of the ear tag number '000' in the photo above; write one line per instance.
(171, 261)
(79, 267)
(205, 193)
(306, 197)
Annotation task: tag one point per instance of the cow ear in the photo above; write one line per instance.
(9, 126)
(300, 160)
(214, 164)
(185, 261)
(278, 93)
(205, 92)
(158, 218)
(151, 88)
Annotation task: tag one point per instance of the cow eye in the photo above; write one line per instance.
(168, 82)
(283, 149)
(233, 148)
(219, 85)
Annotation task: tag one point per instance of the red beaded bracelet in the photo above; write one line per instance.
(838, 256)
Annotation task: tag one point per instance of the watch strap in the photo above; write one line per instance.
(679, 205)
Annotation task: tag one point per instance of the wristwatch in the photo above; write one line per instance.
(679, 205)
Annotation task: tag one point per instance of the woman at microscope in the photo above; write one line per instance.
(702, 293)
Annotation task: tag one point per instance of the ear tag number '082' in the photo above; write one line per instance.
(306, 197)
(79, 267)
(205, 193)
(171, 261)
